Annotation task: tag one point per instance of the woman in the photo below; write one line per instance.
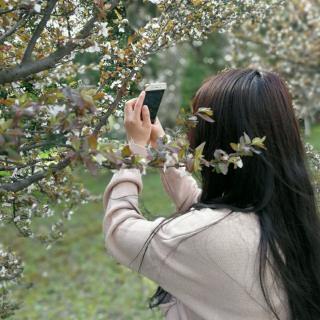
(243, 246)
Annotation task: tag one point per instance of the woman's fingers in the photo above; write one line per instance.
(146, 116)
(128, 109)
(129, 106)
(138, 106)
(133, 108)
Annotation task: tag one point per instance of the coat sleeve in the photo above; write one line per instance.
(178, 183)
(124, 227)
(126, 230)
(181, 187)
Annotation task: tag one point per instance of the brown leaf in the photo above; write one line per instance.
(93, 141)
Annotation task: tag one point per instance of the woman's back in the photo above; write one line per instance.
(215, 273)
(212, 274)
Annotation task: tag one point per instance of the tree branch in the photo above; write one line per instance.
(121, 91)
(28, 68)
(42, 24)
(5, 11)
(14, 28)
(113, 106)
(20, 166)
(21, 184)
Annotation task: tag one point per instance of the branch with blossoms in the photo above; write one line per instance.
(90, 150)
(11, 269)
(83, 113)
(176, 152)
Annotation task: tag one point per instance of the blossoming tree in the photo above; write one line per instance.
(287, 41)
(50, 122)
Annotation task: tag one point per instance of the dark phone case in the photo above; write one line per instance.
(153, 99)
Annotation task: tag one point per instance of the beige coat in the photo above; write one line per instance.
(211, 275)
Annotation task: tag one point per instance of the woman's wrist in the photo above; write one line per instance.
(141, 143)
(137, 148)
(154, 142)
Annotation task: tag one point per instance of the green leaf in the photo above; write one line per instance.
(234, 146)
(5, 173)
(5, 124)
(206, 111)
(199, 149)
(198, 156)
(258, 142)
(126, 151)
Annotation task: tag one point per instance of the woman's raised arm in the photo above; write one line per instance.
(181, 187)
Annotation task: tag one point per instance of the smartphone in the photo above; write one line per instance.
(153, 97)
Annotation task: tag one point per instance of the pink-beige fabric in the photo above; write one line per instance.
(212, 274)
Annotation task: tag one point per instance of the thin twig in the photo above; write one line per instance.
(24, 70)
(25, 165)
(113, 106)
(42, 24)
(13, 29)
(14, 215)
(5, 11)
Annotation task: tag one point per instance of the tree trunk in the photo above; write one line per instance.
(307, 126)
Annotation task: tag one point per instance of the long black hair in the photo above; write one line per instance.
(276, 184)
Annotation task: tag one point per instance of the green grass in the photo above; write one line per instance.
(76, 279)
(314, 138)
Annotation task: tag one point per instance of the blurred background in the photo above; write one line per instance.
(75, 279)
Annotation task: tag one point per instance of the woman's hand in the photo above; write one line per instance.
(156, 132)
(137, 129)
